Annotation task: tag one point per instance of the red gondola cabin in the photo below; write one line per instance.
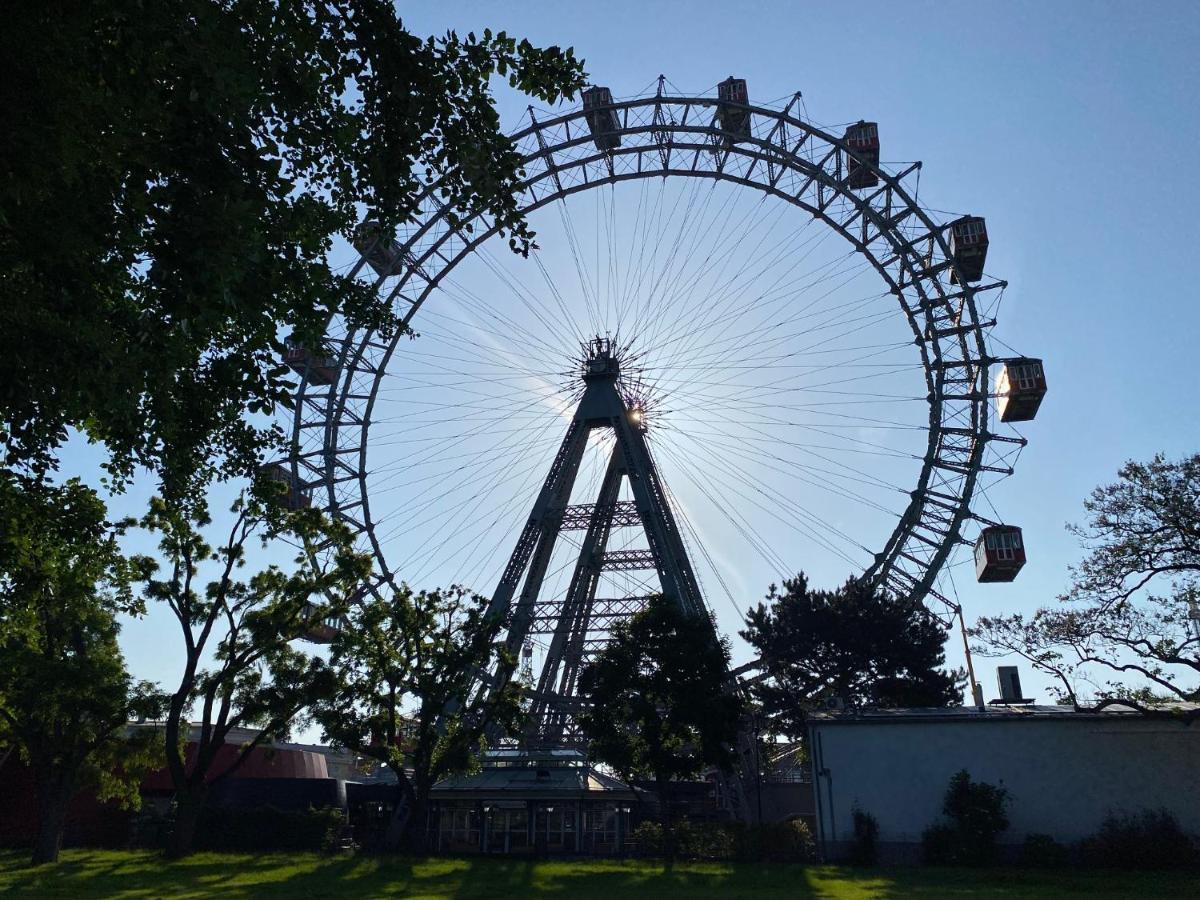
(302, 361)
(294, 497)
(381, 250)
(999, 553)
(968, 248)
(863, 142)
(733, 119)
(1020, 387)
(321, 628)
(602, 118)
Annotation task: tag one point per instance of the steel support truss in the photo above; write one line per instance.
(578, 623)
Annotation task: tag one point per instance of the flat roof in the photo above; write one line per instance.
(990, 713)
(577, 782)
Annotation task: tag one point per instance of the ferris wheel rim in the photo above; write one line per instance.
(767, 156)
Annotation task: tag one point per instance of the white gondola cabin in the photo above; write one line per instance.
(862, 140)
(999, 553)
(602, 118)
(321, 628)
(380, 248)
(294, 497)
(968, 248)
(733, 119)
(1020, 387)
(302, 361)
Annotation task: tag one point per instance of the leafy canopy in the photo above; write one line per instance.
(172, 178)
(1128, 628)
(258, 677)
(658, 698)
(856, 643)
(65, 694)
(407, 667)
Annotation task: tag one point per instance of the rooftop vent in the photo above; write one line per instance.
(1010, 687)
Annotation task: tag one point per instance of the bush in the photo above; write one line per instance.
(777, 842)
(977, 816)
(1041, 851)
(707, 840)
(647, 839)
(940, 845)
(1151, 839)
(266, 828)
(866, 836)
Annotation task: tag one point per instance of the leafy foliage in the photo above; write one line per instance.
(658, 700)
(1042, 851)
(858, 644)
(259, 679)
(172, 179)
(977, 815)
(1151, 839)
(65, 694)
(866, 838)
(1129, 626)
(787, 842)
(265, 829)
(406, 666)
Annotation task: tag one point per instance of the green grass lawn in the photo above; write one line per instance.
(100, 873)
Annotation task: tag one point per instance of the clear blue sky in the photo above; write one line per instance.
(1072, 127)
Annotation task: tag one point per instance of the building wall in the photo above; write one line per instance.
(1063, 775)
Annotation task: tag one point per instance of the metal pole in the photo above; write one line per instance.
(976, 690)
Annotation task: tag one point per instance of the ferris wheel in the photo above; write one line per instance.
(803, 349)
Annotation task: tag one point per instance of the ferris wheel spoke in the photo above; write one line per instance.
(720, 485)
(771, 496)
(731, 290)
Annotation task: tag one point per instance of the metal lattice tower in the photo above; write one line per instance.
(578, 624)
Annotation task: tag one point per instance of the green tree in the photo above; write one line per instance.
(977, 814)
(172, 177)
(65, 695)
(658, 701)
(407, 668)
(257, 679)
(1127, 630)
(856, 643)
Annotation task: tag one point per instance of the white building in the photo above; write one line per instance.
(1064, 770)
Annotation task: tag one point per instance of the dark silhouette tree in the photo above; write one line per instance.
(858, 644)
(258, 678)
(65, 695)
(659, 704)
(173, 176)
(407, 668)
(1127, 630)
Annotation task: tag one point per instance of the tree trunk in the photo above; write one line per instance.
(54, 792)
(416, 840)
(397, 827)
(188, 806)
(664, 815)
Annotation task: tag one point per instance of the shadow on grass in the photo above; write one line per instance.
(144, 875)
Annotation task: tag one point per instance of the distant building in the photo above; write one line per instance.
(533, 802)
(1064, 770)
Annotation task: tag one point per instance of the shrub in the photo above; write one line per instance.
(1041, 851)
(977, 815)
(940, 845)
(266, 828)
(647, 839)
(866, 836)
(1151, 839)
(777, 842)
(706, 840)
